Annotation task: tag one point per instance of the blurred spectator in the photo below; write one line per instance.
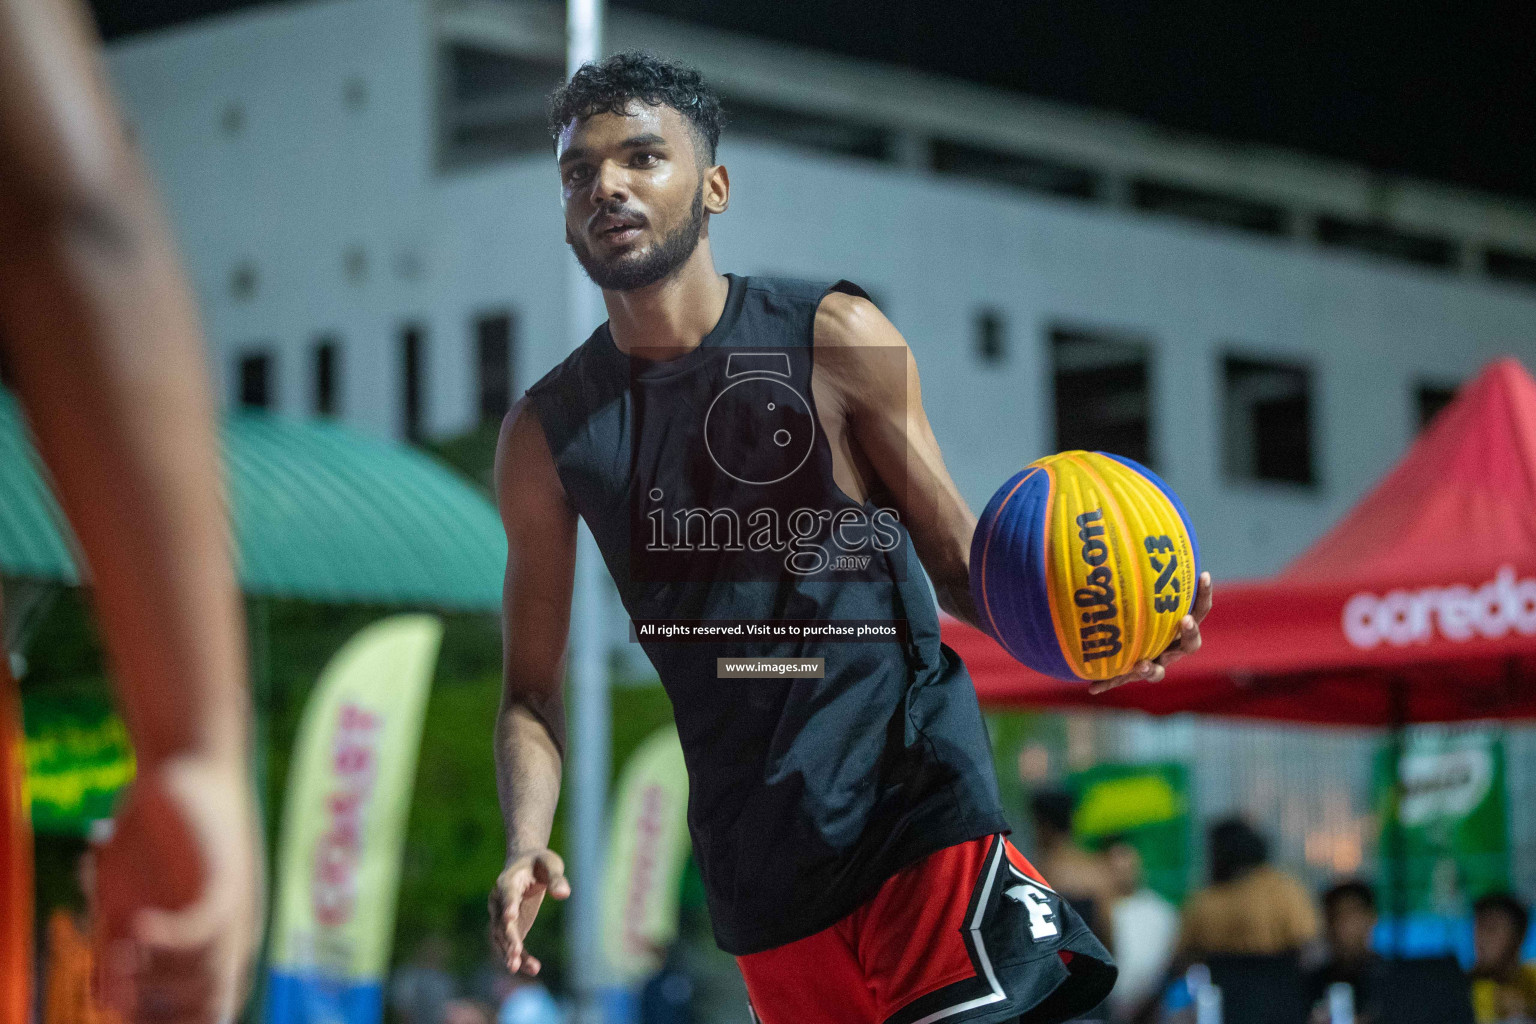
(1082, 878)
(489, 982)
(518, 1000)
(667, 997)
(466, 1011)
(1146, 927)
(67, 996)
(528, 1002)
(422, 989)
(719, 993)
(1349, 918)
(1503, 988)
(1250, 907)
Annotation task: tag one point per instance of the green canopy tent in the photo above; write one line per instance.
(320, 513)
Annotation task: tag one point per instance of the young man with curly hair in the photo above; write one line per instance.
(752, 453)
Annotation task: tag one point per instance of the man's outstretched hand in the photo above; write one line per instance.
(515, 903)
(1187, 643)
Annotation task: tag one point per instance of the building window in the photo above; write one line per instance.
(822, 133)
(255, 370)
(232, 118)
(492, 106)
(242, 282)
(327, 355)
(1432, 397)
(1384, 240)
(354, 264)
(1208, 206)
(991, 336)
(1508, 265)
(1019, 170)
(1103, 394)
(1268, 421)
(354, 93)
(413, 352)
(493, 359)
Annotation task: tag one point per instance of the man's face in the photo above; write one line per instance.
(633, 188)
(1493, 938)
(1350, 923)
(1124, 863)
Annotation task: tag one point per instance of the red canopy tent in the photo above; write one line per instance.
(1419, 606)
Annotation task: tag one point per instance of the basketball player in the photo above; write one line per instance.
(755, 450)
(101, 339)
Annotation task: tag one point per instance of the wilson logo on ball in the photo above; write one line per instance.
(1101, 636)
(1083, 564)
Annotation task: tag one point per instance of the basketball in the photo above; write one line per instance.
(1083, 564)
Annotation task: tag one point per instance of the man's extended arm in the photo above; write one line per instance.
(100, 331)
(530, 725)
(107, 356)
(870, 368)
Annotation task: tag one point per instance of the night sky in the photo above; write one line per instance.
(1430, 88)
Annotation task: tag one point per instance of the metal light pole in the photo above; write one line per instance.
(589, 669)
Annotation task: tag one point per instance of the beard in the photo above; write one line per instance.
(628, 271)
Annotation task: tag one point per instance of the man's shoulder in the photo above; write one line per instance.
(570, 368)
(814, 294)
(1204, 900)
(851, 320)
(804, 289)
(1283, 881)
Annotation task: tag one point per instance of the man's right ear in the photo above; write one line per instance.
(717, 189)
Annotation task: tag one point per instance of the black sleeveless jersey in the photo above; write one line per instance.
(707, 483)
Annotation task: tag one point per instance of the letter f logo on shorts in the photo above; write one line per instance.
(1042, 919)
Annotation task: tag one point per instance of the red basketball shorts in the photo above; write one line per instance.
(971, 933)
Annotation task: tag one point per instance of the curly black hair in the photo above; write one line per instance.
(609, 86)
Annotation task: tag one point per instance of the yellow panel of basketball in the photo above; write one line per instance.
(1119, 562)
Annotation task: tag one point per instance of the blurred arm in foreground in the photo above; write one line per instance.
(530, 726)
(101, 333)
